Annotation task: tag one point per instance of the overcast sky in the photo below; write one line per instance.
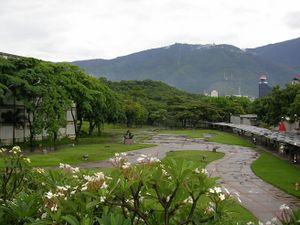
(66, 30)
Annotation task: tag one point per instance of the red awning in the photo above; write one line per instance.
(281, 127)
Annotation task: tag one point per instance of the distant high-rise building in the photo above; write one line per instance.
(214, 93)
(296, 80)
(263, 86)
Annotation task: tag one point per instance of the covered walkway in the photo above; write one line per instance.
(286, 144)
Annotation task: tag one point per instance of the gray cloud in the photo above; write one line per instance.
(292, 19)
(76, 29)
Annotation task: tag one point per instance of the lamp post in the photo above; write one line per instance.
(230, 114)
(13, 89)
(287, 118)
(14, 117)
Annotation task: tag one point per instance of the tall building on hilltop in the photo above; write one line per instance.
(296, 80)
(263, 86)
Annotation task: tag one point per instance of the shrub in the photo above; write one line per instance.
(12, 174)
(151, 192)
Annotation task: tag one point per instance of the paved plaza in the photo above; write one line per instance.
(234, 171)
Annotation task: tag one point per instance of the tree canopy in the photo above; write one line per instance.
(47, 90)
(166, 105)
(278, 105)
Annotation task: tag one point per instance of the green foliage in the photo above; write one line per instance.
(135, 113)
(20, 210)
(12, 173)
(165, 105)
(149, 193)
(47, 90)
(278, 104)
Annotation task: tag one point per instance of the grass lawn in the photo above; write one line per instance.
(196, 156)
(103, 138)
(217, 136)
(277, 172)
(110, 133)
(238, 212)
(73, 155)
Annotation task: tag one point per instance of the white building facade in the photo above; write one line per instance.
(14, 126)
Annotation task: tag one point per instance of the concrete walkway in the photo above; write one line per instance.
(234, 171)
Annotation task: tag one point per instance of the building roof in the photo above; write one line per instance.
(248, 116)
(263, 77)
(288, 138)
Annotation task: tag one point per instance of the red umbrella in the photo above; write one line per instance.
(281, 127)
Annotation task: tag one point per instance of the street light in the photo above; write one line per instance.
(13, 89)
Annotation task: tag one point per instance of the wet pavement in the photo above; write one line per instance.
(234, 171)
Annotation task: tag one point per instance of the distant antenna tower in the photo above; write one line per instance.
(225, 78)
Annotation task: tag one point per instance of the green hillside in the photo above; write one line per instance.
(166, 105)
(285, 53)
(194, 68)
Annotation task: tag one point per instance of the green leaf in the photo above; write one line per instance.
(92, 204)
(71, 219)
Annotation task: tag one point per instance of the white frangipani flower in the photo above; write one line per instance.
(126, 165)
(197, 170)
(102, 199)
(226, 190)
(49, 195)
(204, 171)
(44, 215)
(188, 200)
(27, 160)
(284, 207)
(222, 197)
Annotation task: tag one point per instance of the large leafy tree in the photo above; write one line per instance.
(93, 100)
(169, 106)
(56, 101)
(47, 90)
(135, 113)
(75, 82)
(280, 103)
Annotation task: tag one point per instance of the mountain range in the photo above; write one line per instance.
(203, 68)
(286, 53)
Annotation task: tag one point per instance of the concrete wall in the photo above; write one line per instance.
(235, 119)
(242, 120)
(291, 126)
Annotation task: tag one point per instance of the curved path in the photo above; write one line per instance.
(262, 199)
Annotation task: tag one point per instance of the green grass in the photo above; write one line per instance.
(200, 158)
(216, 136)
(188, 133)
(230, 139)
(237, 212)
(278, 172)
(73, 155)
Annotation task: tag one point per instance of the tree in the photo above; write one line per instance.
(278, 104)
(57, 100)
(74, 82)
(135, 113)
